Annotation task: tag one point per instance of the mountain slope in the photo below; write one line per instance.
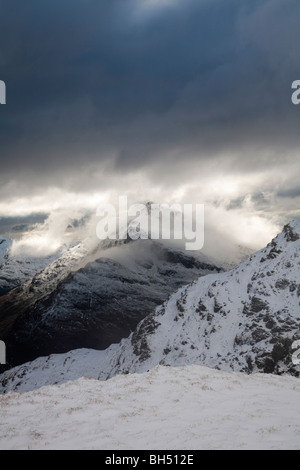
(242, 320)
(5, 245)
(24, 297)
(93, 299)
(16, 270)
(189, 407)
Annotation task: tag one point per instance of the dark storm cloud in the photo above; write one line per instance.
(107, 82)
(20, 224)
(289, 193)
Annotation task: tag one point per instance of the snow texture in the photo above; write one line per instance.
(189, 407)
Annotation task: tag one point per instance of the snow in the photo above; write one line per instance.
(17, 269)
(229, 338)
(55, 369)
(5, 245)
(227, 320)
(190, 407)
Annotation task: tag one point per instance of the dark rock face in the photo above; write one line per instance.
(290, 233)
(94, 306)
(255, 306)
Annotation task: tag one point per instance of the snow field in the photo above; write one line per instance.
(190, 407)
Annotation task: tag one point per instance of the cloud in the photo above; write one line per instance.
(20, 224)
(289, 193)
(147, 98)
(61, 228)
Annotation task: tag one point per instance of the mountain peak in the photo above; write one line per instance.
(292, 231)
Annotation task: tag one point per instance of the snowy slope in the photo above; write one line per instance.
(5, 244)
(93, 298)
(241, 320)
(17, 269)
(191, 407)
(40, 285)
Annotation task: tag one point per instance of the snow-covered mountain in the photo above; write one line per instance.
(243, 320)
(189, 407)
(17, 269)
(5, 245)
(93, 297)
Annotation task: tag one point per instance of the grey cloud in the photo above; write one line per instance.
(289, 193)
(91, 84)
(236, 203)
(20, 224)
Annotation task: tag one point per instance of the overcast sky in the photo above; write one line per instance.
(186, 100)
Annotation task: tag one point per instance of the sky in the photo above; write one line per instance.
(162, 100)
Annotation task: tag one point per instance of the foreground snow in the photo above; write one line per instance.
(189, 407)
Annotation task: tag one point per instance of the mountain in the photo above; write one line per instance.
(242, 320)
(17, 269)
(93, 298)
(5, 245)
(182, 408)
